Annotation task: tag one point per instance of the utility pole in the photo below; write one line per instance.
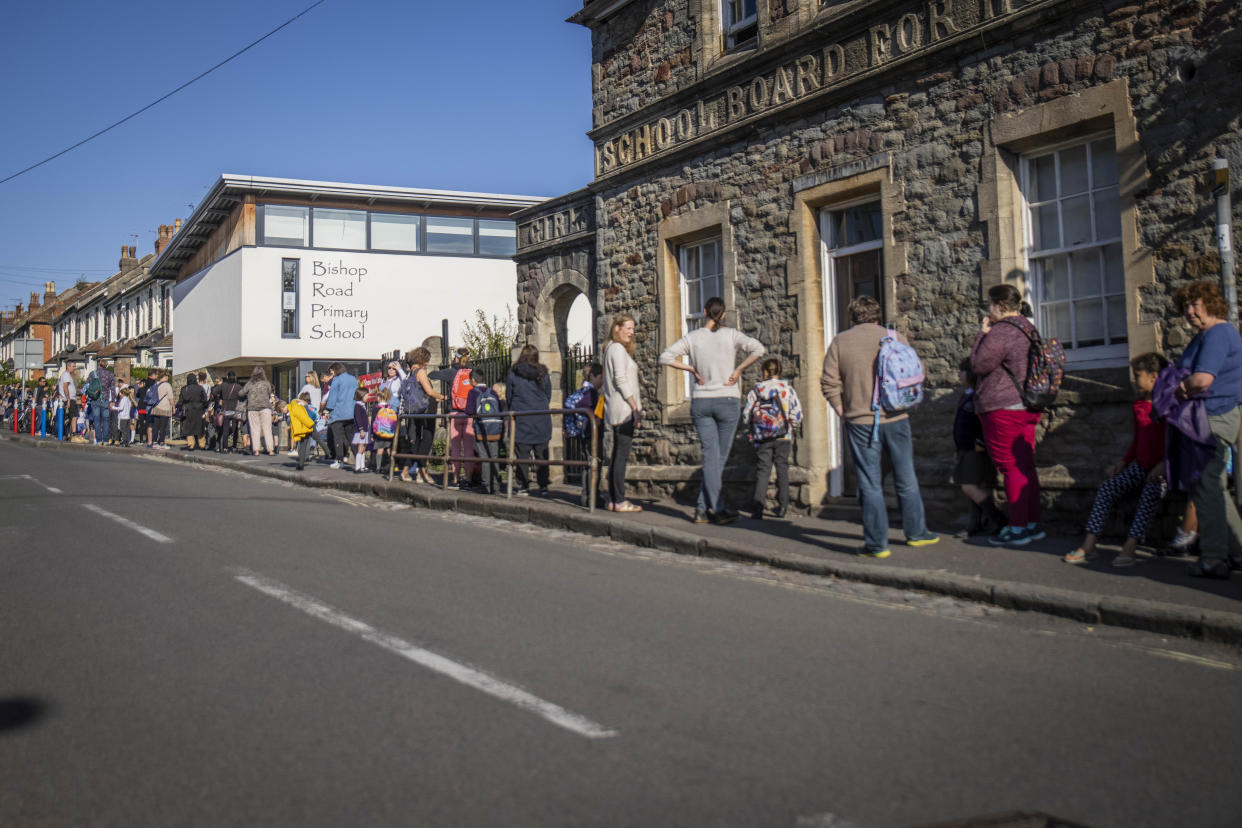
(1224, 241)
(1228, 281)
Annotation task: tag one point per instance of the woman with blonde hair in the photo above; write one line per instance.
(311, 386)
(623, 406)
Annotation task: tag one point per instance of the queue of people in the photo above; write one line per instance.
(1186, 418)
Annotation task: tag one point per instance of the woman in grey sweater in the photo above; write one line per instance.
(258, 397)
(715, 398)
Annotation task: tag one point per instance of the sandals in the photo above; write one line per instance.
(624, 506)
(1079, 557)
(1123, 560)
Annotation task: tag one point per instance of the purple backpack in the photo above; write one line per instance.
(898, 378)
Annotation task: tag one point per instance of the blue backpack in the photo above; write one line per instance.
(576, 424)
(898, 379)
(487, 419)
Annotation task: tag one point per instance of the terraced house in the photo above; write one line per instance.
(790, 155)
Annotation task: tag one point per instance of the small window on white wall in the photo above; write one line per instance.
(340, 229)
(1073, 231)
(286, 226)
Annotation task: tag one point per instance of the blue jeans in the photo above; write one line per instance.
(868, 456)
(715, 418)
(103, 419)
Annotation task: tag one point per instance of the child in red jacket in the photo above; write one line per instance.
(1141, 470)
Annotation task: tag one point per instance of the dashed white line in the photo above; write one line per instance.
(468, 676)
(37, 482)
(129, 524)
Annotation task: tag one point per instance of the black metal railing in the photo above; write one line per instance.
(591, 464)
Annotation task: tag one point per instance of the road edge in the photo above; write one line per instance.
(1132, 613)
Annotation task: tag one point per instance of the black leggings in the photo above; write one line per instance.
(159, 428)
(622, 439)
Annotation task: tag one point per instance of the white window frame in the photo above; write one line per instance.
(693, 318)
(828, 230)
(1111, 354)
(736, 22)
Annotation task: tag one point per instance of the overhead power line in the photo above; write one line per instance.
(165, 97)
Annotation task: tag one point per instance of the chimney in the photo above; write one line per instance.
(18, 312)
(176, 227)
(34, 301)
(128, 262)
(165, 234)
(49, 293)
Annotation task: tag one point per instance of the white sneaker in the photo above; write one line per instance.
(335, 465)
(293, 453)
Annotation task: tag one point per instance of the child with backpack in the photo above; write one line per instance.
(302, 431)
(772, 413)
(578, 426)
(974, 471)
(384, 427)
(362, 430)
(125, 416)
(485, 407)
(1140, 471)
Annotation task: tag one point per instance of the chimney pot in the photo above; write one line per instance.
(177, 226)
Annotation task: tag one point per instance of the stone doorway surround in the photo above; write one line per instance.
(870, 176)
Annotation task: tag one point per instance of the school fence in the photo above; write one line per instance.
(590, 464)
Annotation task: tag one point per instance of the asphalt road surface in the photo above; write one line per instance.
(183, 646)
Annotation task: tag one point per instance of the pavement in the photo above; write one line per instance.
(1155, 596)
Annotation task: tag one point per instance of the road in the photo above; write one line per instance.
(184, 646)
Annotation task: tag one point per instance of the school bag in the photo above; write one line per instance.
(94, 388)
(385, 423)
(576, 424)
(152, 397)
(460, 390)
(768, 418)
(413, 398)
(487, 419)
(898, 379)
(1045, 367)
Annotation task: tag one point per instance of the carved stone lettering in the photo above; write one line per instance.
(881, 41)
(737, 106)
(663, 133)
(758, 93)
(940, 17)
(685, 124)
(834, 62)
(920, 26)
(996, 8)
(782, 87)
(807, 74)
(909, 32)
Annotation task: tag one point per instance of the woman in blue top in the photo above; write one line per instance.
(1214, 358)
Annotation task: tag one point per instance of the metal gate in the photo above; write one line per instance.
(573, 362)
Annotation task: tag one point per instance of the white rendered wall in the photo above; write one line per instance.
(352, 306)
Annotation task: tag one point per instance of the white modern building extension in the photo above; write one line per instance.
(292, 274)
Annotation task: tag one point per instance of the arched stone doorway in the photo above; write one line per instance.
(549, 324)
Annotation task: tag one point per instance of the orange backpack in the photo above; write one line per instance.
(461, 389)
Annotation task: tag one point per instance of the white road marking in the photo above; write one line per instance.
(129, 524)
(468, 676)
(51, 489)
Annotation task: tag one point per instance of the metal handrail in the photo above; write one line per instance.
(448, 457)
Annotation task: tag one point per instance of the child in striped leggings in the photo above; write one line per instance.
(1141, 471)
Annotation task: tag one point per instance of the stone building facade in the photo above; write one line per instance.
(919, 150)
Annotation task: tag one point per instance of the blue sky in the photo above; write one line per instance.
(482, 95)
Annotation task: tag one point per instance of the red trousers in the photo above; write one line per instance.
(1010, 436)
